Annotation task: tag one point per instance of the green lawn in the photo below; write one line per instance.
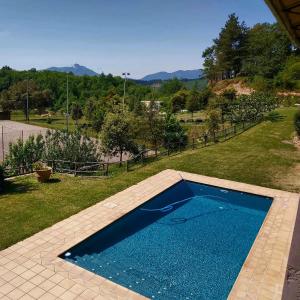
(58, 121)
(262, 155)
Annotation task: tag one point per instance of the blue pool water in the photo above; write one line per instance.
(189, 242)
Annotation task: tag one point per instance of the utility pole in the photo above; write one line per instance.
(27, 103)
(67, 115)
(125, 78)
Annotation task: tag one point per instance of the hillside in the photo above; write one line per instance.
(181, 74)
(238, 84)
(76, 69)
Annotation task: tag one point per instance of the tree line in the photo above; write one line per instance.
(263, 50)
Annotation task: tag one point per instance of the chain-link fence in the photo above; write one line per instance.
(11, 131)
(206, 139)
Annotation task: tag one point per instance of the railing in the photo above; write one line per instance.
(100, 169)
(79, 168)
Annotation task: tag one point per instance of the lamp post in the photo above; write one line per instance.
(125, 74)
(67, 115)
(27, 101)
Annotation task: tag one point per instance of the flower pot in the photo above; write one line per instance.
(44, 175)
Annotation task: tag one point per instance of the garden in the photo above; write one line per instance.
(262, 155)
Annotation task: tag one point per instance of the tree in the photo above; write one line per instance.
(226, 54)
(204, 96)
(213, 122)
(154, 125)
(178, 101)
(170, 87)
(97, 117)
(175, 136)
(267, 49)
(192, 103)
(117, 135)
(289, 77)
(89, 108)
(76, 112)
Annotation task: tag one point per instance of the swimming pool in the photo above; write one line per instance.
(189, 242)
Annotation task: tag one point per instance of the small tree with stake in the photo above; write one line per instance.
(76, 112)
(213, 122)
(192, 103)
(118, 135)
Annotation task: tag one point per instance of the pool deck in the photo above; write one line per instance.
(31, 269)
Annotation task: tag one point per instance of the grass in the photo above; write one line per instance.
(58, 121)
(262, 155)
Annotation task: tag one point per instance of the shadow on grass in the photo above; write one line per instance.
(53, 180)
(12, 187)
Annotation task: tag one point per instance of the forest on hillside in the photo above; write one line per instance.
(263, 53)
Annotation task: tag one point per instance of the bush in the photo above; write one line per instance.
(70, 146)
(175, 136)
(229, 94)
(49, 120)
(22, 154)
(274, 116)
(198, 120)
(297, 122)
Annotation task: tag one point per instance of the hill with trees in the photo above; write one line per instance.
(76, 70)
(263, 53)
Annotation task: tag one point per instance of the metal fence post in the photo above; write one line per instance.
(193, 143)
(127, 166)
(2, 144)
(107, 164)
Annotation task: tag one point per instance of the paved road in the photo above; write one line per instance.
(14, 130)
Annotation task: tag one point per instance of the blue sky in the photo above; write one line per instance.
(113, 36)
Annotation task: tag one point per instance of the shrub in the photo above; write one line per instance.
(22, 154)
(229, 94)
(297, 122)
(39, 165)
(175, 136)
(198, 120)
(213, 121)
(274, 116)
(70, 146)
(49, 120)
(118, 135)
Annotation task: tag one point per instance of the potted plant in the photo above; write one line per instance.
(42, 170)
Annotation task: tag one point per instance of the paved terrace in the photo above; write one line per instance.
(31, 269)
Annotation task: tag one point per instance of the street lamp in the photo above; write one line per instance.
(125, 78)
(67, 115)
(27, 101)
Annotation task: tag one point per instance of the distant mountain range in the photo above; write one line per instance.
(79, 70)
(76, 70)
(181, 74)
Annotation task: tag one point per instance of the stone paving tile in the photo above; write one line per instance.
(31, 269)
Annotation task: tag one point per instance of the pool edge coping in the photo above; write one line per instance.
(43, 248)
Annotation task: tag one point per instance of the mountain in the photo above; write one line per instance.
(76, 70)
(181, 74)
